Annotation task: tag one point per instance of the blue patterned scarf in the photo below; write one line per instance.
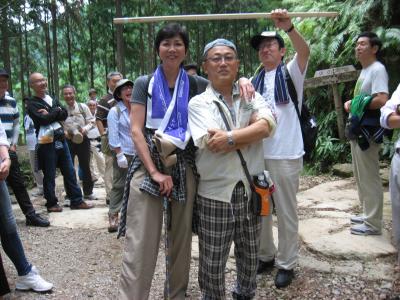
(281, 92)
(172, 109)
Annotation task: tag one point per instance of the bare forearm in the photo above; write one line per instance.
(378, 101)
(301, 47)
(394, 121)
(100, 126)
(252, 133)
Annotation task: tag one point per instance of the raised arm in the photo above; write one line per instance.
(283, 21)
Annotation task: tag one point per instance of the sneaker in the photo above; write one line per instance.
(90, 197)
(38, 193)
(357, 219)
(283, 278)
(364, 229)
(67, 202)
(33, 281)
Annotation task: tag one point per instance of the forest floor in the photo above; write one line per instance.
(83, 260)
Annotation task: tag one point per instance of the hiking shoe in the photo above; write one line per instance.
(364, 229)
(265, 266)
(35, 219)
(33, 281)
(283, 278)
(357, 219)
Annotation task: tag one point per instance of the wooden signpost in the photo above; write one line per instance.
(333, 77)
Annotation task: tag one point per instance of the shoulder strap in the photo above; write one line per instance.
(81, 110)
(118, 110)
(292, 90)
(193, 91)
(149, 77)
(243, 162)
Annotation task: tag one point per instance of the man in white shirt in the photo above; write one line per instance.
(283, 153)
(390, 118)
(82, 121)
(223, 191)
(373, 81)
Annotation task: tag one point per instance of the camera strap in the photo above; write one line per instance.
(242, 160)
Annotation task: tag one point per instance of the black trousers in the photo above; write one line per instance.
(4, 288)
(82, 150)
(16, 181)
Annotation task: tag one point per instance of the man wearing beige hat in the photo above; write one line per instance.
(78, 123)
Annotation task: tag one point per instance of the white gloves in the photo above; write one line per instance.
(122, 161)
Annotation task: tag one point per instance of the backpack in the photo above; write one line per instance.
(308, 122)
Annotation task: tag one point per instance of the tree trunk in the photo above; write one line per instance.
(120, 39)
(48, 54)
(141, 53)
(70, 73)
(91, 59)
(6, 46)
(21, 63)
(26, 50)
(55, 48)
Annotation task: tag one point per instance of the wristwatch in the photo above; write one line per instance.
(231, 142)
(398, 109)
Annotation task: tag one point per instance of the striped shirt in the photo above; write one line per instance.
(9, 116)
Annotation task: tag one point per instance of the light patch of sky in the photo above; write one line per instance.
(60, 10)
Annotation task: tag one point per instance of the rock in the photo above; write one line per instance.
(79, 218)
(343, 170)
(338, 195)
(348, 267)
(332, 238)
(333, 214)
(314, 264)
(374, 270)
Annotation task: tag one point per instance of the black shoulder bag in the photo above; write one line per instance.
(308, 122)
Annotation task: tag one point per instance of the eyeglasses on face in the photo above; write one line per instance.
(219, 59)
(267, 45)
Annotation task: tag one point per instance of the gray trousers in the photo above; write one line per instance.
(394, 189)
(37, 174)
(285, 175)
(369, 184)
(108, 174)
(143, 232)
(118, 184)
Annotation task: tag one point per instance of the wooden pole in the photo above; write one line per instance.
(223, 17)
(339, 110)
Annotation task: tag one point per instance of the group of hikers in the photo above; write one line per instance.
(190, 154)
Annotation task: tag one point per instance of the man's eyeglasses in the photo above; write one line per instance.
(267, 45)
(219, 59)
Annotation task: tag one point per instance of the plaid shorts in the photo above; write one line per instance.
(220, 224)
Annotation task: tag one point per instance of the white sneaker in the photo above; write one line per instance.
(67, 202)
(90, 197)
(364, 229)
(33, 281)
(359, 219)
